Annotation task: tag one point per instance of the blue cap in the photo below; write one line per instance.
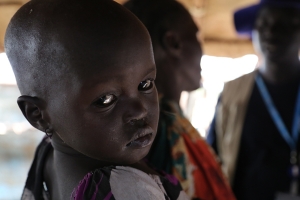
(244, 18)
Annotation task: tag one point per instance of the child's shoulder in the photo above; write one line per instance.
(109, 183)
(123, 182)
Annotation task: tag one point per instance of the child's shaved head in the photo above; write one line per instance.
(86, 71)
(45, 37)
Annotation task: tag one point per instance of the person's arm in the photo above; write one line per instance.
(211, 138)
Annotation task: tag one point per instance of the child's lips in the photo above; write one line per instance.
(141, 139)
(141, 142)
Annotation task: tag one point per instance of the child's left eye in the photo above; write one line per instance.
(105, 100)
(145, 85)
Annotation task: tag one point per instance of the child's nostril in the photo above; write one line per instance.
(132, 122)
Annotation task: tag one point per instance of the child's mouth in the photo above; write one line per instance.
(141, 141)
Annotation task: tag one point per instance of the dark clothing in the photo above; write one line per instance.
(263, 160)
(34, 189)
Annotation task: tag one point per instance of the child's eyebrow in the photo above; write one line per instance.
(152, 69)
(96, 82)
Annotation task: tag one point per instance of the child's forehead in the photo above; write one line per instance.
(106, 54)
(63, 36)
(97, 59)
(123, 65)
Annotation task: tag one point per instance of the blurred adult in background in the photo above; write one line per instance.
(256, 125)
(178, 147)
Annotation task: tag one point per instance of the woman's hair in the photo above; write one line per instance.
(158, 16)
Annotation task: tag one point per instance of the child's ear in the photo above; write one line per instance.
(32, 109)
(172, 43)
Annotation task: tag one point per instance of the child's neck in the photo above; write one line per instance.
(65, 171)
(65, 168)
(82, 165)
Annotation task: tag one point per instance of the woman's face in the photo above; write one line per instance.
(277, 31)
(191, 56)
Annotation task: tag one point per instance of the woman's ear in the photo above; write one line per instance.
(172, 43)
(33, 108)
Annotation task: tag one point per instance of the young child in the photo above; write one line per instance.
(85, 70)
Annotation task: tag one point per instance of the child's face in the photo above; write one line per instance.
(108, 109)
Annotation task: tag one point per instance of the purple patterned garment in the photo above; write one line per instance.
(108, 183)
(119, 182)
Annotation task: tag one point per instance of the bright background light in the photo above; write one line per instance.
(199, 106)
(6, 73)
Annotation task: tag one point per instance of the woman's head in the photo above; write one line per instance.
(174, 37)
(85, 70)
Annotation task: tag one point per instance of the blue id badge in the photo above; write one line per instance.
(285, 196)
(293, 195)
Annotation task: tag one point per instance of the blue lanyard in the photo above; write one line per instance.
(291, 139)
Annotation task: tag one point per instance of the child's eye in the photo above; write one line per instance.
(145, 85)
(105, 100)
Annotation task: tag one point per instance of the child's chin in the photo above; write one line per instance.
(136, 158)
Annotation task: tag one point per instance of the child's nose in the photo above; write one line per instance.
(135, 111)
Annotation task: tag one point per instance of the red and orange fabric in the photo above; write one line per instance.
(180, 150)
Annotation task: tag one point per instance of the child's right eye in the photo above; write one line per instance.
(106, 100)
(146, 85)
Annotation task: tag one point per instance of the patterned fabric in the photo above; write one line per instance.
(108, 183)
(180, 150)
(126, 183)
